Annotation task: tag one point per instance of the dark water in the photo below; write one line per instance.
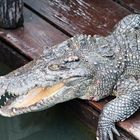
(4, 69)
(57, 123)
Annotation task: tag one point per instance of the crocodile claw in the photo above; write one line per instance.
(106, 130)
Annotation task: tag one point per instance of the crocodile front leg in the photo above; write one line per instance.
(119, 109)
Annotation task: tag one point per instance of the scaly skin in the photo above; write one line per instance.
(82, 67)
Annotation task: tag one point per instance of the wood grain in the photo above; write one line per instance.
(80, 16)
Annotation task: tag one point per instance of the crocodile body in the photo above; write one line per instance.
(84, 67)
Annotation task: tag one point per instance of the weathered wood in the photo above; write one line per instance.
(35, 35)
(80, 16)
(131, 5)
(11, 13)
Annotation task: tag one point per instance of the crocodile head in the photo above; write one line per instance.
(45, 82)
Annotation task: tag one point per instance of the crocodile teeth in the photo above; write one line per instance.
(5, 98)
(14, 110)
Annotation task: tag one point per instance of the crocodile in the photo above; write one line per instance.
(85, 67)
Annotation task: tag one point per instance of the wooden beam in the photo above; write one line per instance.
(11, 13)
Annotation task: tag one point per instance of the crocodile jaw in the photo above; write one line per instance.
(42, 97)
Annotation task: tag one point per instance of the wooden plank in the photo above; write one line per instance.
(35, 35)
(80, 16)
(132, 5)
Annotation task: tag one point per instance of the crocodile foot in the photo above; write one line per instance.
(106, 129)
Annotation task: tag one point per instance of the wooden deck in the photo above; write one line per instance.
(49, 22)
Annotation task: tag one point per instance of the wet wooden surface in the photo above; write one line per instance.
(49, 22)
